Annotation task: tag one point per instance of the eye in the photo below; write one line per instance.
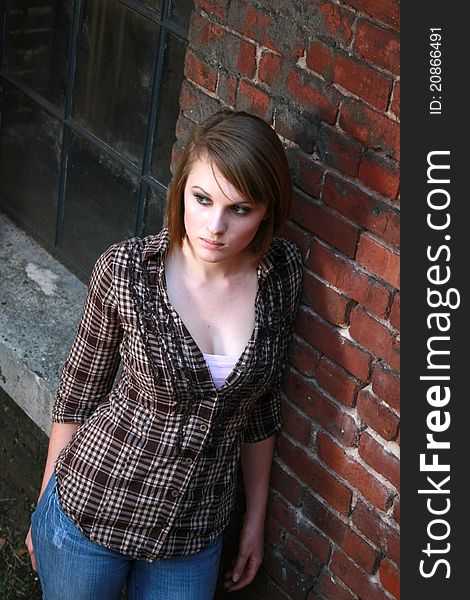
(203, 200)
(239, 209)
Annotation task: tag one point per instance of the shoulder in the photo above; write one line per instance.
(133, 250)
(285, 257)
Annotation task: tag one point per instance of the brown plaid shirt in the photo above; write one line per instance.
(151, 471)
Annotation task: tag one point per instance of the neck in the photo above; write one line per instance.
(209, 271)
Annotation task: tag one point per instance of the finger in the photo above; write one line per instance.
(239, 568)
(251, 568)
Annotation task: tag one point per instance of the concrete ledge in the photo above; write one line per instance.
(40, 306)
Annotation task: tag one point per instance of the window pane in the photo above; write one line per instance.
(155, 4)
(180, 11)
(164, 136)
(37, 45)
(154, 211)
(114, 75)
(100, 202)
(30, 144)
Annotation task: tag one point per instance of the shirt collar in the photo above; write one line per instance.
(156, 244)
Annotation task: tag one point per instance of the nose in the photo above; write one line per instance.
(216, 224)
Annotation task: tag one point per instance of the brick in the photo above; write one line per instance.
(283, 513)
(371, 128)
(200, 72)
(254, 100)
(214, 7)
(227, 88)
(206, 36)
(377, 416)
(331, 587)
(386, 386)
(307, 172)
(323, 411)
(336, 381)
(222, 48)
(390, 578)
(375, 455)
(378, 45)
(369, 522)
(396, 511)
(299, 236)
(289, 579)
(255, 24)
(320, 58)
(355, 578)
(395, 106)
(386, 11)
(274, 534)
(269, 67)
(312, 94)
(296, 424)
(272, 591)
(379, 260)
(237, 56)
(321, 221)
(329, 340)
(380, 173)
(374, 336)
(303, 357)
(300, 556)
(359, 550)
(184, 126)
(325, 520)
(395, 312)
(348, 468)
(362, 80)
(195, 104)
(315, 476)
(331, 20)
(338, 150)
(314, 540)
(346, 276)
(246, 61)
(331, 305)
(365, 209)
(285, 484)
(298, 126)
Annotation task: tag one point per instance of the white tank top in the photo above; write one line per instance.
(220, 367)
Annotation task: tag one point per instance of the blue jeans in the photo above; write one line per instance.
(71, 567)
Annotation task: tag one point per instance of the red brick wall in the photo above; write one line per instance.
(326, 75)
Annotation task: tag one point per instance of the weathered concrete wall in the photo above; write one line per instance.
(40, 306)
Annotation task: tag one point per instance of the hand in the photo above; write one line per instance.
(249, 559)
(29, 545)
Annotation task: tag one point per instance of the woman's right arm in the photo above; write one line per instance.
(61, 434)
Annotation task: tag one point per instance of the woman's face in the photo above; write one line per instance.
(220, 223)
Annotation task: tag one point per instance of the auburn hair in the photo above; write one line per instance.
(250, 156)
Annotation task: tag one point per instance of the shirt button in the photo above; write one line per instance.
(174, 493)
(188, 461)
(203, 427)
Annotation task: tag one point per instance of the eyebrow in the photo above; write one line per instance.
(198, 187)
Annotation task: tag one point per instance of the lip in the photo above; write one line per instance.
(212, 245)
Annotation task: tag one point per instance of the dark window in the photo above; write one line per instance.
(89, 102)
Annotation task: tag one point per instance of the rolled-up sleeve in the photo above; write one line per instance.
(265, 418)
(93, 360)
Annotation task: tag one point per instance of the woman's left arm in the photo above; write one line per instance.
(256, 459)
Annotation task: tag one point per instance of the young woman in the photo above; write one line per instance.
(141, 472)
